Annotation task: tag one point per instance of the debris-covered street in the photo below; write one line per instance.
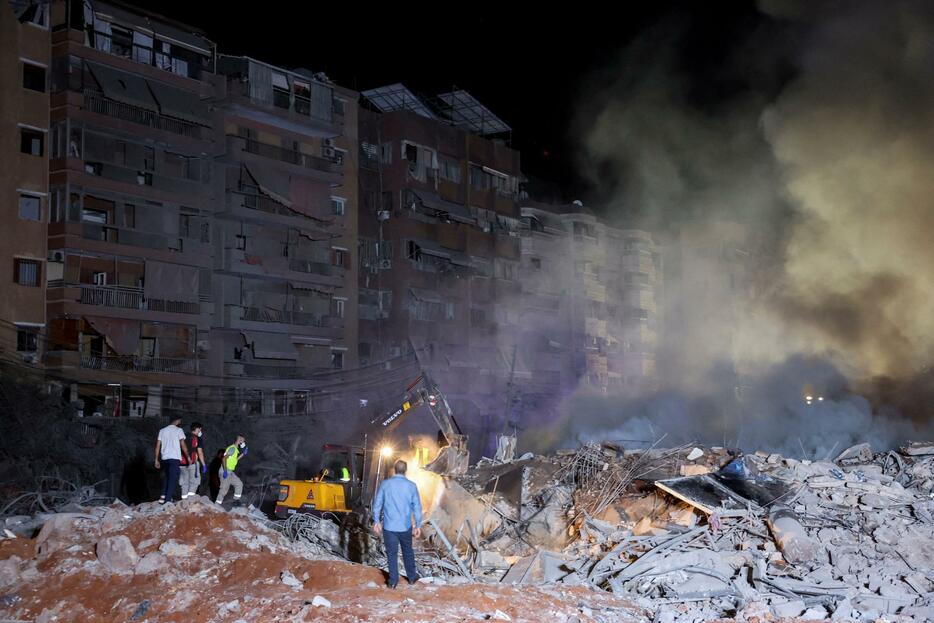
(596, 534)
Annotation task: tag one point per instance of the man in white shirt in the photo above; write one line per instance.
(170, 444)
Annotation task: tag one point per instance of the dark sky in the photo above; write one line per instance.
(527, 65)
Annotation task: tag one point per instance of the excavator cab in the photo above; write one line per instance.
(337, 488)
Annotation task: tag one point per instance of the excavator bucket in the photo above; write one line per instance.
(452, 460)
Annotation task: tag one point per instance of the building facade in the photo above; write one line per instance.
(24, 197)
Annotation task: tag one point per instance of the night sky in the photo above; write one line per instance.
(532, 68)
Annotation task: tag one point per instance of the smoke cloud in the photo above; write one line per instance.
(798, 194)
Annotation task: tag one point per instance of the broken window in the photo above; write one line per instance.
(30, 208)
(413, 251)
(27, 339)
(302, 92)
(31, 141)
(33, 77)
(26, 272)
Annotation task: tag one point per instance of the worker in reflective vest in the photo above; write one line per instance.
(232, 456)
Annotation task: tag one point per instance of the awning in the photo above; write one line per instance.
(126, 88)
(429, 296)
(271, 182)
(433, 201)
(429, 247)
(170, 282)
(310, 197)
(121, 335)
(177, 103)
(271, 345)
(312, 287)
(495, 172)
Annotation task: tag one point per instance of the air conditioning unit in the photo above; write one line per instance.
(57, 256)
(329, 153)
(382, 215)
(137, 408)
(384, 264)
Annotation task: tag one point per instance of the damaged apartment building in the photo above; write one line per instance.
(589, 300)
(439, 243)
(199, 220)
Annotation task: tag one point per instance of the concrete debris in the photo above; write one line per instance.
(708, 533)
(117, 554)
(320, 602)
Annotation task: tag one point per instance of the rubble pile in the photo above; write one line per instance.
(196, 562)
(702, 534)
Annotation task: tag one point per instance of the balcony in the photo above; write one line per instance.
(132, 298)
(282, 154)
(313, 268)
(100, 105)
(260, 371)
(136, 363)
(282, 316)
(127, 47)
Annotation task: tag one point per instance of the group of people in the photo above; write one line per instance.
(397, 508)
(182, 460)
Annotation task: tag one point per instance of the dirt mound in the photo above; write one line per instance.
(194, 563)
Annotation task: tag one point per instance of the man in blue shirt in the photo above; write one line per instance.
(397, 515)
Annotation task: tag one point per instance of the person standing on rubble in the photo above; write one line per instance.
(193, 463)
(170, 446)
(397, 515)
(232, 456)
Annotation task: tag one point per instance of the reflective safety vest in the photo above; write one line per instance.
(345, 474)
(231, 458)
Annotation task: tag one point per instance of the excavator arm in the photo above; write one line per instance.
(452, 458)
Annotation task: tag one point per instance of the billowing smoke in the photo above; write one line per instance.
(795, 199)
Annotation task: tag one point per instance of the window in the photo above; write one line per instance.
(30, 141)
(477, 317)
(30, 208)
(302, 92)
(147, 346)
(35, 13)
(27, 339)
(91, 215)
(26, 272)
(337, 206)
(337, 307)
(56, 204)
(59, 135)
(449, 311)
(280, 401)
(241, 242)
(129, 216)
(450, 170)
(411, 153)
(280, 91)
(149, 159)
(337, 359)
(33, 77)
(385, 153)
(536, 263)
(340, 258)
(99, 278)
(120, 152)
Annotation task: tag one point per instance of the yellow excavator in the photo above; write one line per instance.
(349, 475)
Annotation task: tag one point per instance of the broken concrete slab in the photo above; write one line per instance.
(116, 554)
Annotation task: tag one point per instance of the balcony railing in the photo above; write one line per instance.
(271, 372)
(146, 55)
(136, 363)
(282, 154)
(132, 298)
(308, 266)
(254, 314)
(96, 103)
